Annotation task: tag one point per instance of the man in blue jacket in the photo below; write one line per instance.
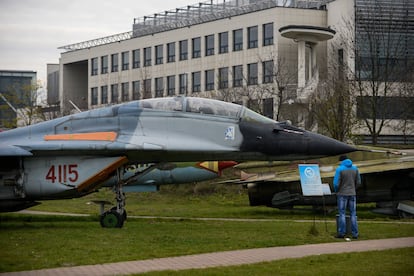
(345, 182)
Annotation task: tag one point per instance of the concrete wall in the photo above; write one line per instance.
(279, 16)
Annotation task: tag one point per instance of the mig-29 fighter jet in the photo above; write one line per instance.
(72, 156)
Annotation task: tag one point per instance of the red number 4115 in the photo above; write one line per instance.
(63, 173)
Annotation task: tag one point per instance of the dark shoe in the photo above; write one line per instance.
(339, 236)
(355, 238)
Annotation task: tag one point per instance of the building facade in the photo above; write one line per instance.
(16, 89)
(229, 50)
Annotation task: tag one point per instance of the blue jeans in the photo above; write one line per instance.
(343, 203)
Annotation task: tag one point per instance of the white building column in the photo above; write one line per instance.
(306, 35)
(301, 64)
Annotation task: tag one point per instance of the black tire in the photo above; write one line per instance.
(111, 219)
(124, 214)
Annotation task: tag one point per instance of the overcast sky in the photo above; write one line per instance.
(32, 30)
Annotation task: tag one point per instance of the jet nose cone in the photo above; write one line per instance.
(322, 145)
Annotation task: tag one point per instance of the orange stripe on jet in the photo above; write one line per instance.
(90, 136)
(91, 184)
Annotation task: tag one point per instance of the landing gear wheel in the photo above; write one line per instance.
(112, 219)
(124, 214)
(116, 217)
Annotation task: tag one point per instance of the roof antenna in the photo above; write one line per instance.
(74, 105)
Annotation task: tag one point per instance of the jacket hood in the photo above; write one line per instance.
(347, 163)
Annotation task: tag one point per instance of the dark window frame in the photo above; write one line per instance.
(94, 66)
(115, 62)
(196, 47)
(223, 81)
(125, 60)
(253, 37)
(104, 64)
(171, 85)
(183, 49)
(209, 80)
(252, 74)
(223, 42)
(268, 36)
(196, 81)
(209, 45)
(136, 58)
(147, 56)
(94, 95)
(237, 40)
(238, 76)
(171, 52)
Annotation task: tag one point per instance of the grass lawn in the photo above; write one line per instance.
(387, 262)
(35, 242)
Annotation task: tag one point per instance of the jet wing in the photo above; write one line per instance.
(11, 150)
(328, 171)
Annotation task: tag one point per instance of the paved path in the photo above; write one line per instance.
(228, 258)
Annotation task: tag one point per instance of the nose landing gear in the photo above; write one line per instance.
(116, 217)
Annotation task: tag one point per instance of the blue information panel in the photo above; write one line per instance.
(310, 180)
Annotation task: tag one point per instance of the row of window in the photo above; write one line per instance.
(209, 49)
(168, 84)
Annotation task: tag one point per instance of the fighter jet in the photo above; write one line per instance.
(387, 182)
(72, 156)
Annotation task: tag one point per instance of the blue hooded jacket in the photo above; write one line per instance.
(346, 178)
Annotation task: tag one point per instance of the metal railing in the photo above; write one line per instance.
(194, 14)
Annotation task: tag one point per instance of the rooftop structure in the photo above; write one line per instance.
(194, 14)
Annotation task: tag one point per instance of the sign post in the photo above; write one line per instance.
(311, 183)
(310, 180)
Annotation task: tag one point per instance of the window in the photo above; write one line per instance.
(94, 66)
(136, 90)
(125, 91)
(114, 63)
(183, 83)
(268, 71)
(237, 75)
(196, 81)
(147, 56)
(114, 93)
(196, 47)
(147, 89)
(104, 65)
(223, 42)
(159, 57)
(136, 58)
(238, 40)
(125, 61)
(252, 35)
(159, 87)
(104, 94)
(252, 73)
(223, 77)
(94, 95)
(183, 50)
(267, 34)
(209, 40)
(397, 108)
(209, 80)
(268, 107)
(171, 52)
(171, 85)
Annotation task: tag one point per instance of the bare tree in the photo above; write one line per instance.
(277, 78)
(332, 106)
(248, 89)
(23, 100)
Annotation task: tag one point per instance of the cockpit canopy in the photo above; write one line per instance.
(202, 106)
